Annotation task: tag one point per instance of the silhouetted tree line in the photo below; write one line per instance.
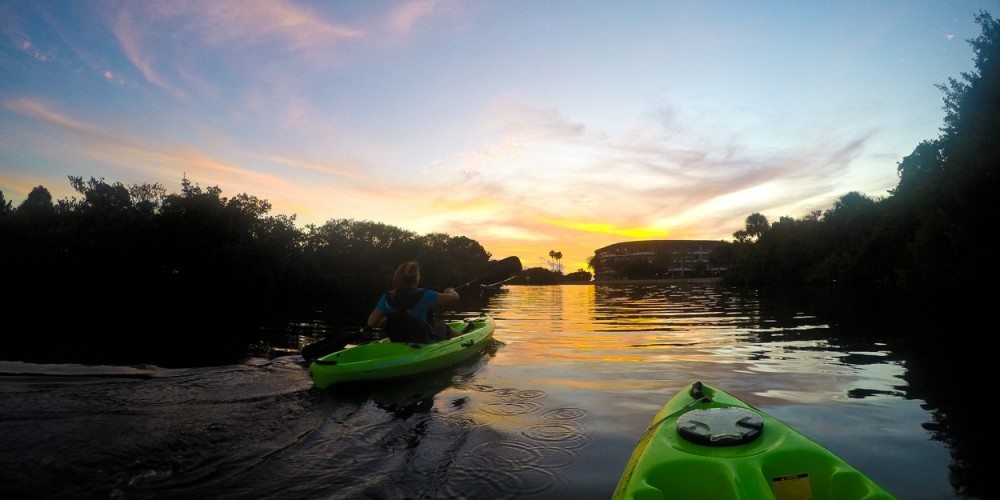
(929, 232)
(132, 273)
(542, 276)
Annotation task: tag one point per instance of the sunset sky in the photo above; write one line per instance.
(529, 126)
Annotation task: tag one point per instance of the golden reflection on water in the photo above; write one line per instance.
(657, 338)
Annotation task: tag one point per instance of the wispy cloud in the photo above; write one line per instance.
(402, 18)
(290, 27)
(134, 153)
(113, 77)
(346, 192)
(14, 27)
(16, 187)
(520, 201)
(522, 119)
(67, 39)
(405, 20)
(349, 171)
(131, 35)
(148, 35)
(36, 54)
(39, 110)
(562, 181)
(526, 134)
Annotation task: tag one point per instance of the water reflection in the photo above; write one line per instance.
(405, 398)
(552, 410)
(839, 367)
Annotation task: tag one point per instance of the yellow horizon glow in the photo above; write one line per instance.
(610, 229)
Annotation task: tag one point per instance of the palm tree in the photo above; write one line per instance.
(757, 224)
(556, 256)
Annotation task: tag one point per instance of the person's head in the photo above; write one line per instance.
(407, 275)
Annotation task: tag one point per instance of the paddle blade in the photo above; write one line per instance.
(496, 272)
(500, 271)
(329, 345)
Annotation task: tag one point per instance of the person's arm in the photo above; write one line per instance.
(375, 318)
(447, 297)
(378, 314)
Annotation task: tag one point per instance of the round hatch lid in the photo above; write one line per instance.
(720, 426)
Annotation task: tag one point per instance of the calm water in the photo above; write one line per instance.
(551, 410)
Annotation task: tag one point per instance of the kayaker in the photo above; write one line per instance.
(408, 311)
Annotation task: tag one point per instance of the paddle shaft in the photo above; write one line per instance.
(496, 272)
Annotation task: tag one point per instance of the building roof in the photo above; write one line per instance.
(659, 245)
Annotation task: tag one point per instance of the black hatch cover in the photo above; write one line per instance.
(720, 426)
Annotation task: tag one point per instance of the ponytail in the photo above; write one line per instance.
(407, 276)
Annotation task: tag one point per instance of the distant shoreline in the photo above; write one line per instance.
(648, 281)
(642, 281)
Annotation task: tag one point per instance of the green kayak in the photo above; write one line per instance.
(385, 360)
(705, 443)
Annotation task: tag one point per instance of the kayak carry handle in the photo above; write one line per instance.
(698, 392)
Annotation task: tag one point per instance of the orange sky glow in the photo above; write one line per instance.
(527, 126)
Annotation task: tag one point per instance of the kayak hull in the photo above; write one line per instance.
(780, 463)
(389, 360)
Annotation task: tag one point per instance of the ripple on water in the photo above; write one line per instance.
(530, 394)
(565, 414)
(508, 455)
(510, 408)
(566, 435)
(510, 401)
(538, 481)
(493, 483)
(557, 458)
(464, 422)
(499, 483)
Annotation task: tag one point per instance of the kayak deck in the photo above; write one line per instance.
(772, 461)
(386, 360)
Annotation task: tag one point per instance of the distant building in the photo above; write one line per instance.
(656, 259)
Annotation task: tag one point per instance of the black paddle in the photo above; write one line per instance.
(332, 343)
(496, 272)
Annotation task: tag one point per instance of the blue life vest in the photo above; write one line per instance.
(400, 325)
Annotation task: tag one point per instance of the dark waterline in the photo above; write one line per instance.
(552, 410)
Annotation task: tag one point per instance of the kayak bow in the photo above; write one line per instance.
(705, 443)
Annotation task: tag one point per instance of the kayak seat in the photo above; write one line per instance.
(715, 481)
(825, 478)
